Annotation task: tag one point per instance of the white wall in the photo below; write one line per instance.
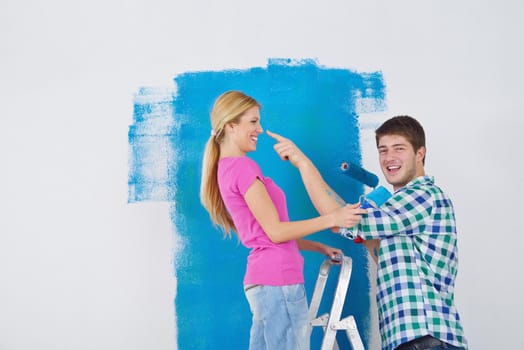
(82, 269)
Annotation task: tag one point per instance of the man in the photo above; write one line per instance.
(417, 258)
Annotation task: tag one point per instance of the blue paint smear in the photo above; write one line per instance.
(311, 104)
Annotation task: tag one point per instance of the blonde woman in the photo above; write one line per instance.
(240, 198)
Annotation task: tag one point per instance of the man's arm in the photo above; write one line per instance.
(321, 194)
(405, 213)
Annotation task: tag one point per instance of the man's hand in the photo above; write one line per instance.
(287, 150)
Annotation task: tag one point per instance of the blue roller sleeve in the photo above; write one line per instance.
(375, 198)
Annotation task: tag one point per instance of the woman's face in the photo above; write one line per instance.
(245, 132)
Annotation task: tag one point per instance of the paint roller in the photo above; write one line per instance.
(359, 174)
(374, 199)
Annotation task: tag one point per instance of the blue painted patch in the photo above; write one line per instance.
(313, 105)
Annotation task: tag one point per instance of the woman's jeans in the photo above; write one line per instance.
(279, 317)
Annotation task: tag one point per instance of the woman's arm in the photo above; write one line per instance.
(330, 252)
(264, 211)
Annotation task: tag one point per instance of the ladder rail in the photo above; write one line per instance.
(320, 284)
(331, 322)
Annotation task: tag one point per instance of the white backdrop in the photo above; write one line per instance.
(82, 269)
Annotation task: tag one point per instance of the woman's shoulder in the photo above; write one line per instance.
(239, 161)
(239, 165)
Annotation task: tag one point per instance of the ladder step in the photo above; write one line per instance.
(321, 321)
(346, 323)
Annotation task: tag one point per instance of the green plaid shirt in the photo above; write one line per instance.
(417, 264)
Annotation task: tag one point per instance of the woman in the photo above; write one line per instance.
(240, 198)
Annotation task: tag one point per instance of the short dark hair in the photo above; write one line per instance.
(403, 125)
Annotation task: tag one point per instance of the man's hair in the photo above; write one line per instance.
(403, 125)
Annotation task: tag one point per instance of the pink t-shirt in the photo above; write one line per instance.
(268, 263)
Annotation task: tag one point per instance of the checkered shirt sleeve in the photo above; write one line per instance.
(405, 213)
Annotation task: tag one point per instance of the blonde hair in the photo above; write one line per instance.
(228, 108)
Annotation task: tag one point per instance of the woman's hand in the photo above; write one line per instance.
(314, 246)
(334, 254)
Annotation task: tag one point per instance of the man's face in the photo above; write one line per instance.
(400, 163)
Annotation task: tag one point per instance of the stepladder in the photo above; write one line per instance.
(331, 322)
